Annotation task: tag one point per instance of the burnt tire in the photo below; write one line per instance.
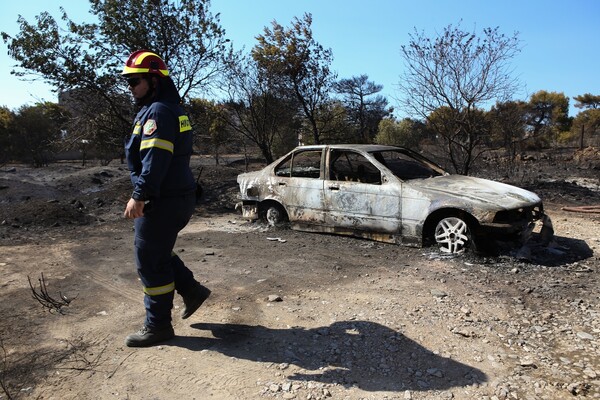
(453, 235)
(274, 214)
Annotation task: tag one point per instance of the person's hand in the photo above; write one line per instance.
(134, 209)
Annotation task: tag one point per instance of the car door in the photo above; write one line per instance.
(298, 180)
(359, 196)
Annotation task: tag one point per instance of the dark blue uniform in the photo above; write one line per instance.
(158, 155)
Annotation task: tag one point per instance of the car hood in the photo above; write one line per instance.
(478, 190)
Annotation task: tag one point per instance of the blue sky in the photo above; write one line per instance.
(560, 39)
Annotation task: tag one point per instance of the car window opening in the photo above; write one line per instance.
(404, 166)
(352, 167)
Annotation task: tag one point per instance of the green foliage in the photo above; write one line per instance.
(296, 63)
(585, 130)
(463, 133)
(334, 124)
(7, 118)
(258, 110)
(508, 127)
(190, 40)
(85, 60)
(547, 116)
(184, 33)
(280, 94)
(364, 111)
(587, 101)
(567, 138)
(36, 132)
(406, 132)
(210, 129)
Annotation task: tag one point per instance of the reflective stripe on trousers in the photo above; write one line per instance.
(159, 269)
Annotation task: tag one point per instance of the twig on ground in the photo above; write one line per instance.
(76, 357)
(44, 298)
(3, 383)
(119, 365)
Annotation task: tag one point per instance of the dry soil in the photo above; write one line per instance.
(293, 315)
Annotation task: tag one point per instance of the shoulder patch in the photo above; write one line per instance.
(184, 124)
(149, 127)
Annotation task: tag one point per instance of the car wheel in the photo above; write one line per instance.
(452, 235)
(274, 215)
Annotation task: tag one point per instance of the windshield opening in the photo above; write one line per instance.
(406, 167)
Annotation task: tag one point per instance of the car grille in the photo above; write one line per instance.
(523, 214)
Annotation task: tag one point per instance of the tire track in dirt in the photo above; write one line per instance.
(170, 368)
(96, 259)
(114, 285)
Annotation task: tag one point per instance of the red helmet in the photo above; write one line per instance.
(145, 62)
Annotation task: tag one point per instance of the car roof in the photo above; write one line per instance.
(363, 147)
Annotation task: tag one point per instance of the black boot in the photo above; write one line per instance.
(194, 300)
(147, 336)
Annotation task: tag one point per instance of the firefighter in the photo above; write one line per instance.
(163, 200)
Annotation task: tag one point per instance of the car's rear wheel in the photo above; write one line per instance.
(274, 214)
(453, 235)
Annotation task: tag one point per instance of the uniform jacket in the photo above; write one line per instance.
(159, 149)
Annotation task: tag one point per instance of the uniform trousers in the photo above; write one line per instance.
(160, 270)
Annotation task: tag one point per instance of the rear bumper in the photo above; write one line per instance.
(248, 208)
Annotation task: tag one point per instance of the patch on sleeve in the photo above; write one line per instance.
(149, 127)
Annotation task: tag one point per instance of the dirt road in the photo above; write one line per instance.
(293, 315)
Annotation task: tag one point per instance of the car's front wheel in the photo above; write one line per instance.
(453, 235)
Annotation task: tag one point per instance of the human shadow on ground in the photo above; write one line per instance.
(351, 353)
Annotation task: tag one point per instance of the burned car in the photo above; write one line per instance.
(389, 194)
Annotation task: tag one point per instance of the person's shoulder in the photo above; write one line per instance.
(164, 108)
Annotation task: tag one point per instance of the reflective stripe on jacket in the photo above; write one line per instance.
(158, 152)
